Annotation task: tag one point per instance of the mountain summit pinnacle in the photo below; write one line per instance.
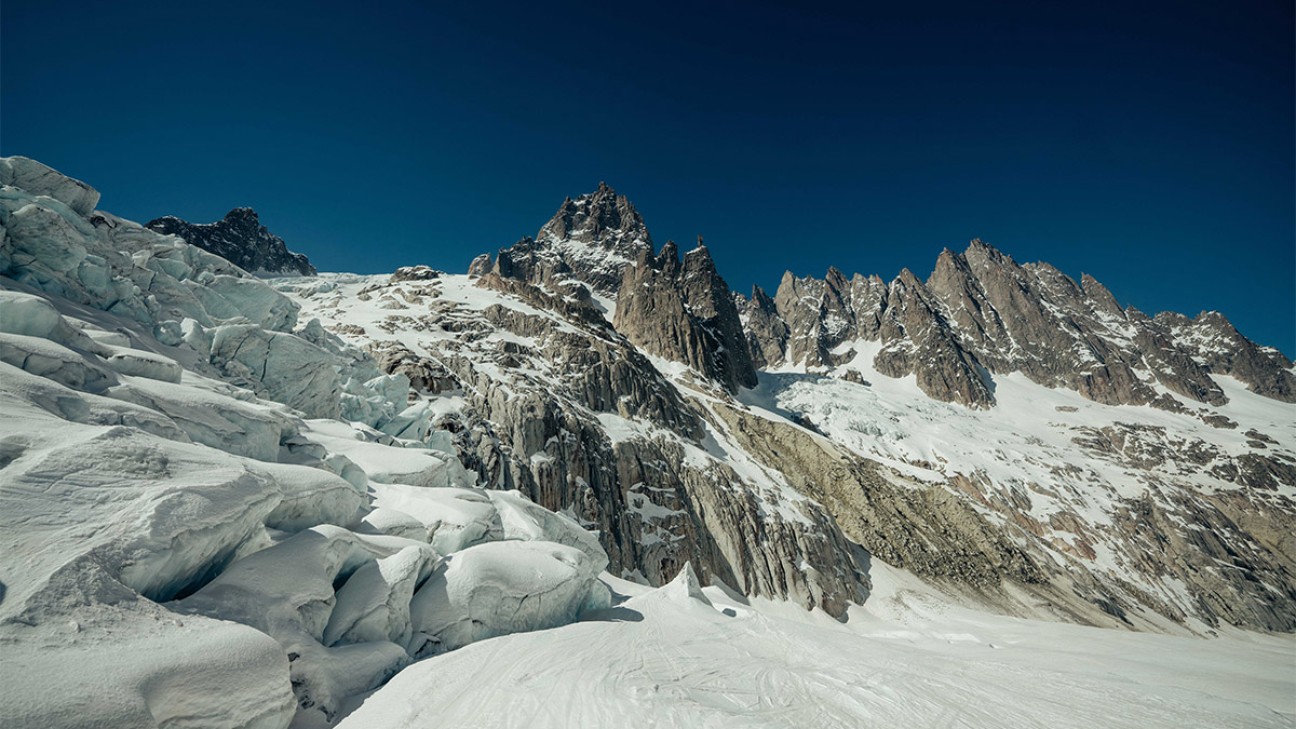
(591, 238)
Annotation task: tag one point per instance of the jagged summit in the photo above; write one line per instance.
(240, 238)
(682, 310)
(602, 218)
(980, 313)
(591, 238)
(672, 306)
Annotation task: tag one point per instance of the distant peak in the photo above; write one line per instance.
(239, 238)
(979, 247)
(835, 278)
(242, 213)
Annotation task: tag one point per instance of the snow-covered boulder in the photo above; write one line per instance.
(280, 367)
(385, 460)
(27, 314)
(138, 363)
(45, 358)
(287, 592)
(44, 237)
(251, 298)
(374, 604)
(310, 496)
(524, 519)
(143, 666)
(685, 589)
(21, 390)
(211, 418)
(393, 523)
(454, 518)
(503, 587)
(156, 514)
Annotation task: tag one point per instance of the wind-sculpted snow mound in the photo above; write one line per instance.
(504, 587)
(187, 536)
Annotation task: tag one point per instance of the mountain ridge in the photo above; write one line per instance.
(240, 238)
(352, 467)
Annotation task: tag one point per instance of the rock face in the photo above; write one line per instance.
(207, 492)
(632, 409)
(591, 239)
(560, 406)
(682, 311)
(240, 238)
(982, 314)
(685, 313)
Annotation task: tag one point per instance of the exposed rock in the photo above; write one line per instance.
(590, 239)
(415, 273)
(580, 421)
(503, 587)
(767, 333)
(980, 314)
(1214, 341)
(685, 313)
(240, 238)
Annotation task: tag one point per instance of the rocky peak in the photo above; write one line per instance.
(1212, 339)
(592, 238)
(243, 216)
(601, 218)
(698, 262)
(1098, 295)
(980, 313)
(766, 330)
(240, 238)
(667, 259)
(685, 312)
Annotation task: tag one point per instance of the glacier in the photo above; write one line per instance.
(190, 480)
(219, 507)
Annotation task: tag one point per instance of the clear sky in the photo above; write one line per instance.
(1148, 144)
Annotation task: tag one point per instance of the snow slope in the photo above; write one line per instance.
(907, 658)
(1081, 481)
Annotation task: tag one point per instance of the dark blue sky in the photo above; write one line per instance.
(1149, 144)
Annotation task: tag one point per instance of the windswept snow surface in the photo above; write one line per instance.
(909, 658)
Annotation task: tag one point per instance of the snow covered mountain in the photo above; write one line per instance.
(241, 239)
(586, 485)
(1092, 502)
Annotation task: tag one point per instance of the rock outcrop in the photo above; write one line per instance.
(591, 239)
(981, 314)
(685, 313)
(240, 238)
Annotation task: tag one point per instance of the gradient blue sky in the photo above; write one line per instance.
(1148, 144)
